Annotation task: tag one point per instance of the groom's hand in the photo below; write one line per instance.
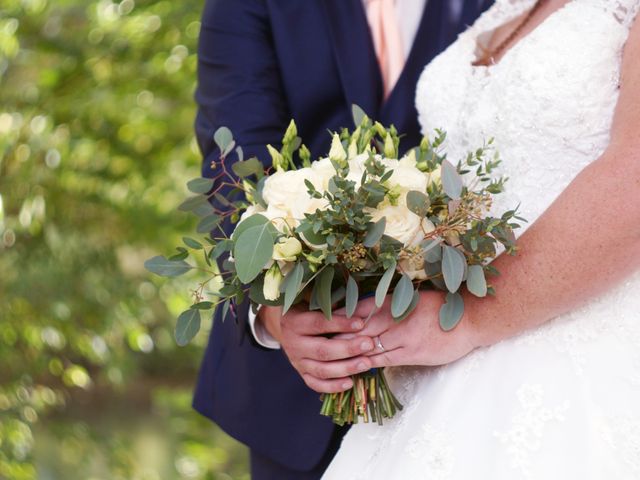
(324, 364)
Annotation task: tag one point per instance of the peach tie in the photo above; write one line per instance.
(387, 41)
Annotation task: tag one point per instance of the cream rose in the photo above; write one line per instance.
(402, 224)
(287, 196)
(406, 178)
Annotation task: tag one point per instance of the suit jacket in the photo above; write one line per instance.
(261, 63)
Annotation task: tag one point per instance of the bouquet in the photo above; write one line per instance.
(358, 222)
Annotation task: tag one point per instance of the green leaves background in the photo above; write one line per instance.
(96, 144)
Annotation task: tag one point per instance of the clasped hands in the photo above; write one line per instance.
(326, 353)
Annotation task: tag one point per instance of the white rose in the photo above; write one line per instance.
(324, 171)
(401, 223)
(307, 205)
(357, 167)
(409, 160)
(251, 210)
(281, 219)
(406, 178)
(281, 189)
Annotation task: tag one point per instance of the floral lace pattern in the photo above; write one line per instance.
(561, 401)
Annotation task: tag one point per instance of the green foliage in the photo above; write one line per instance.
(402, 296)
(451, 312)
(96, 144)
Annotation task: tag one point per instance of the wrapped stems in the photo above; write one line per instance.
(370, 399)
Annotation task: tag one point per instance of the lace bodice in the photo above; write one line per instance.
(549, 102)
(561, 401)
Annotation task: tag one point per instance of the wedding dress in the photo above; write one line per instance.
(561, 401)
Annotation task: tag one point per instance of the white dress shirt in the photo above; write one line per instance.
(408, 15)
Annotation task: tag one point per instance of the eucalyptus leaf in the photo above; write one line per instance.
(374, 232)
(202, 306)
(451, 180)
(193, 203)
(384, 284)
(402, 296)
(224, 140)
(451, 312)
(358, 115)
(252, 221)
(306, 230)
(338, 295)
(418, 203)
(221, 247)
(208, 223)
(203, 210)
(167, 268)
(323, 291)
(476, 281)
(191, 243)
(412, 306)
(292, 284)
(187, 326)
(352, 296)
(248, 167)
(200, 185)
(252, 250)
(182, 254)
(453, 267)
(225, 309)
(433, 254)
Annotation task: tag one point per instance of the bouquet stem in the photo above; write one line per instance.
(370, 398)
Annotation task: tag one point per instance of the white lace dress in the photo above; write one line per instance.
(561, 401)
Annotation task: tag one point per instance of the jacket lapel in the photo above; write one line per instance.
(355, 55)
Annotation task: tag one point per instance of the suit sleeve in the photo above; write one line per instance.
(239, 83)
(239, 86)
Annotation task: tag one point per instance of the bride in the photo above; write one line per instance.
(543, 380)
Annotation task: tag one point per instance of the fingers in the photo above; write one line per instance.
(327, 386)
(387, 341)
(363, 310)
(327, 350)
(332, 377)
(314, 323)
(335, 370)
(391, 358)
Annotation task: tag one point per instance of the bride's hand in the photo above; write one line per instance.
(418, 339)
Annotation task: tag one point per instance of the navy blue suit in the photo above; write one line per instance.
(261, 63)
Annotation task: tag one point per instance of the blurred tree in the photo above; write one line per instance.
(96, 143)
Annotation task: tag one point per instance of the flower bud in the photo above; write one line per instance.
(389, 147)
(337, 153)
(277, 159)
(287, 249)
(291, 133)
(425, 144)
(272, 281)
(305, 156)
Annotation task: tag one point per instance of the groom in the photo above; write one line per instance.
(261, 63)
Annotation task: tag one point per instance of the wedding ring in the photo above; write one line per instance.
(379, 344)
